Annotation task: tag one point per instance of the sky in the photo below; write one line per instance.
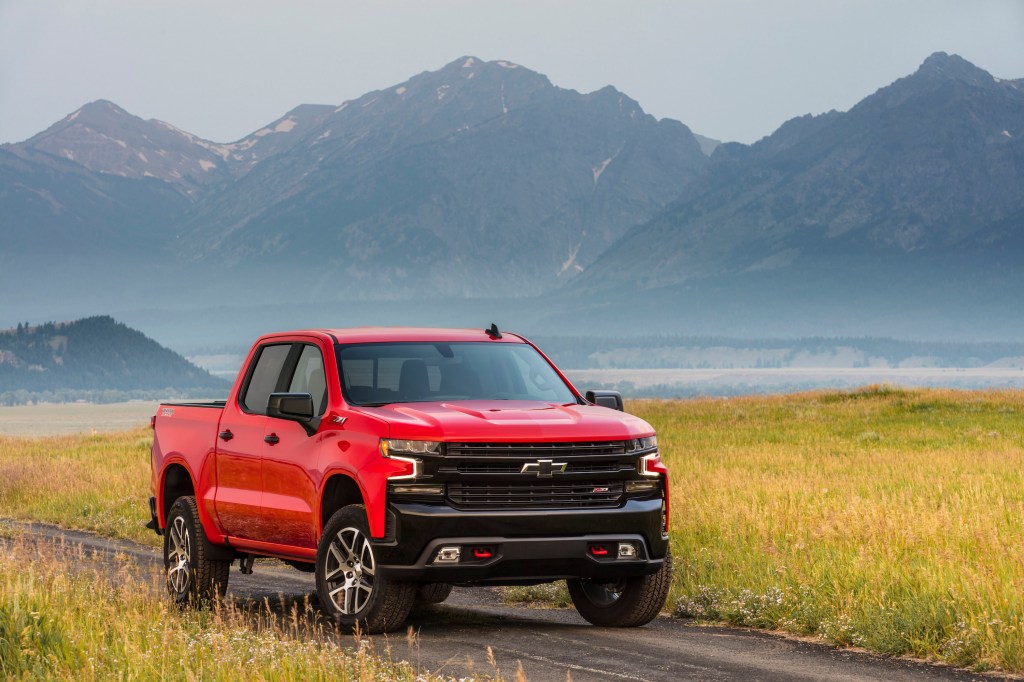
(730, 69)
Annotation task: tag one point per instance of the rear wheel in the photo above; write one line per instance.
(623, 603)
(190, 575)
(350, 588)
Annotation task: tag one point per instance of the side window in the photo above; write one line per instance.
(264, 377)
(309, 377)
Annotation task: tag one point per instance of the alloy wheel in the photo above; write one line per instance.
(179, 557)
(350, 571)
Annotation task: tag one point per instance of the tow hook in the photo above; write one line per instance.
(245, 563)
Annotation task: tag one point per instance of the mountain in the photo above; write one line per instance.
(464, 188)
(90, 356)
(915, 193)
(105, 138)
(480, 179)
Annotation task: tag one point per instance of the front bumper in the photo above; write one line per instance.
(524, 546)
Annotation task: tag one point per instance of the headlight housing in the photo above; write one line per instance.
(408, 447)
(641, 444)
(395, 449)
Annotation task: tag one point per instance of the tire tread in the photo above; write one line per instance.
(633, 610)
(209, 576)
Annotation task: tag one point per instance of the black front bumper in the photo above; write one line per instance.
(524, 546)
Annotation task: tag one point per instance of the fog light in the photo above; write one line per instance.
(641, 486)
(627, 550)
(448, 555)
(417, 489)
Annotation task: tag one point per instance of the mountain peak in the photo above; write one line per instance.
(468, 63)
(953, 67)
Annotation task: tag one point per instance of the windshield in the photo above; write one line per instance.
(383, 373)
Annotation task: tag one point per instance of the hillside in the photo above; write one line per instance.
(91, 357)
(912, 200)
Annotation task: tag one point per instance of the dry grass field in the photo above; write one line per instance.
(882, 518)
(51, 419)
(887, 519)
(89, 624)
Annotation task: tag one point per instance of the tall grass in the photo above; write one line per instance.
(85, 624)
(89, 482)
(887, 519)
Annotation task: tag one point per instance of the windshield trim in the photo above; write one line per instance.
(340, 347)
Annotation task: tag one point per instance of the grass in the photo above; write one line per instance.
(90, 625)
(887, 519)
(96, 482)
(882, 518)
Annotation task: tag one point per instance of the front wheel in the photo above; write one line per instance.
(190, 575)
(350, 588)
(623, 603)
(433, 593)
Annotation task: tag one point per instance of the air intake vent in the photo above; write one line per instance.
(562, 495)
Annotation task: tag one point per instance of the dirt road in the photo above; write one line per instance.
(553, 644)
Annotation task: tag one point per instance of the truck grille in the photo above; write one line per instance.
(609, 467)
(535, 495)
(534, 451)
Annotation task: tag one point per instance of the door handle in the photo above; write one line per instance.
(226, 435)
(272, 439)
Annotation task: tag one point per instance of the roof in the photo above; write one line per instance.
(409, 334)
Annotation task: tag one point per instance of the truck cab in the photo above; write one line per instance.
(395, 462)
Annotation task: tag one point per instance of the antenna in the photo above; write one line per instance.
(493, 331)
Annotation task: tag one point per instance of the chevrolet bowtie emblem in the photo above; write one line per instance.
(543, 467)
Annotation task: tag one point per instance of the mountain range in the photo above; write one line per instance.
(482, 180)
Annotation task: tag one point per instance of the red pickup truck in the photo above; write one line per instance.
(395, 462)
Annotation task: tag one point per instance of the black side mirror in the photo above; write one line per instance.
(612, 399)
(296, 407)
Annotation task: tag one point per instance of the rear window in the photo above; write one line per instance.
(382, 373)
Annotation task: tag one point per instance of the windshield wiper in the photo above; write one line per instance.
(374, 404)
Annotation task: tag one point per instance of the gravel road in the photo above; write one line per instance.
(555, 644)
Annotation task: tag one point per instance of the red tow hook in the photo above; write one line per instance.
(482, 553)
(599, 550)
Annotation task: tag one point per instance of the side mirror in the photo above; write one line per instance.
(612, 399)
(296, 407)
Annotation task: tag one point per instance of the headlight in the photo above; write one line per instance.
(390, 447)
(651, 465)
(648, 443)
(398, 451)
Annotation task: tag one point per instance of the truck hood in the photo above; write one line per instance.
(507, 420)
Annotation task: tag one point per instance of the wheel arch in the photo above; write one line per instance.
(340, 490)
(176, 482)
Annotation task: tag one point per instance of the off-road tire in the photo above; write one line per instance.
(433, 593)
(345, 552)
(191, 577)
(626, 603)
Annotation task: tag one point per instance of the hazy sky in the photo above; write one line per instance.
(732, 70)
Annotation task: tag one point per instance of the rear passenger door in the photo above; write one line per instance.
(240, 444)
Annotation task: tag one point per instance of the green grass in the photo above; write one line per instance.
(881, 518)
